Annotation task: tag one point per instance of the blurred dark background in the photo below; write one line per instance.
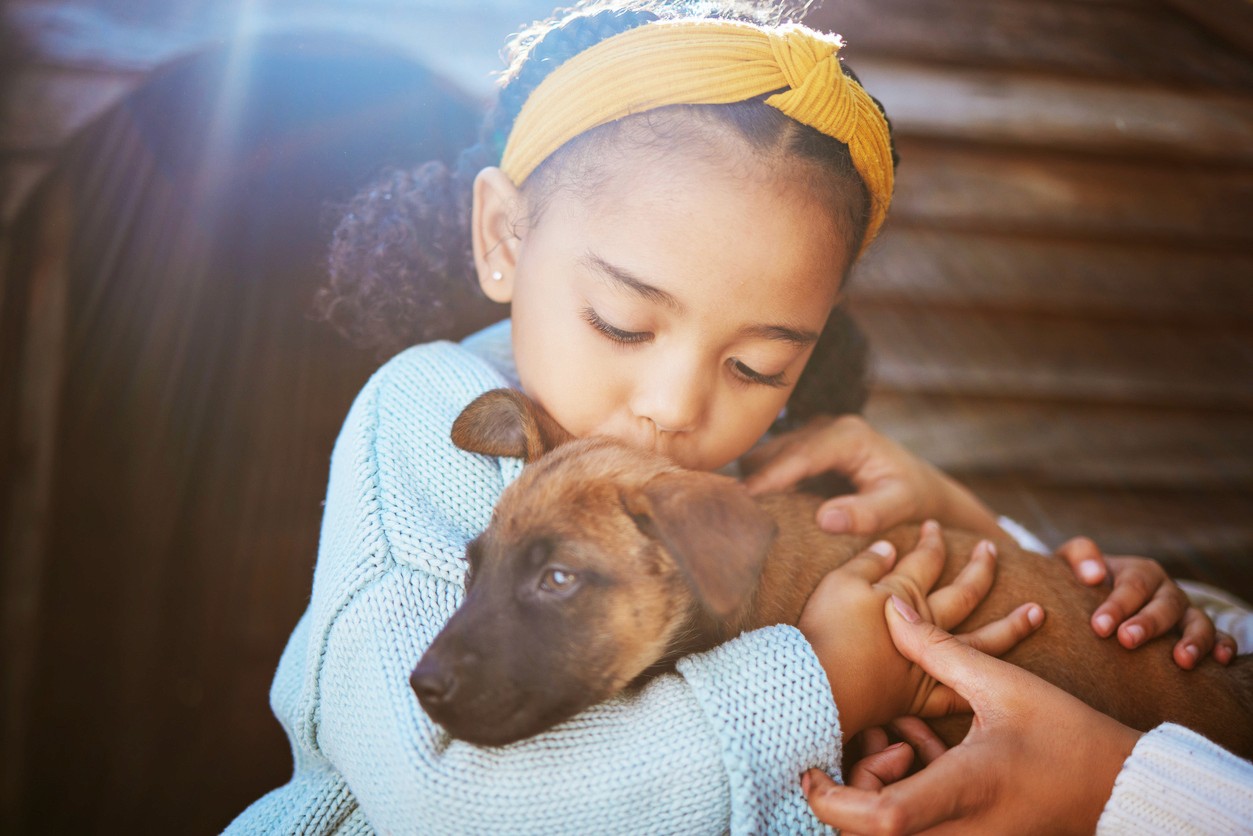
(1060, 311)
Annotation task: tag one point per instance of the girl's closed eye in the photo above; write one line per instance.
(742, 372)
(618, 335)
(750, 375)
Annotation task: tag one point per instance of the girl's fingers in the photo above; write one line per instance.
(1085, 559)
(1199, 638)
(1133, 588)
(925, 563)
(873, 563)
(1163, 611)
(1224, 647)
(951, 604)
(925, 742)
(998, 637)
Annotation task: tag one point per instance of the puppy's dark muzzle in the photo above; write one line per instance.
(434, 684)
(440, 677)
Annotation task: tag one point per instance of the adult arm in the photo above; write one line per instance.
(1033, 751)
(1177, 781)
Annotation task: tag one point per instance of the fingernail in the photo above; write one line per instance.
(1222, 653)
(1035, 616)
(835, 520)
(882, 548)
(907, 612)
(1191, 652)
(930, 527)
(1136, 634)
(991, 547)
(1090, 570)
(1104, 624)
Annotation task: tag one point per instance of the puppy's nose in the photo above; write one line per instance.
(433, 684)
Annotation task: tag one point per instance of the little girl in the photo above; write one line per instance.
(668, 200)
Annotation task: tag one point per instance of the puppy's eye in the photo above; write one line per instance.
(557, 580)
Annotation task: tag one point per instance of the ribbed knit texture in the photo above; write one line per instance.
(707, 62)
(1177, 782)
(718, 746)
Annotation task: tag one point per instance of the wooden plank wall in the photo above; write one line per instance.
(1060, 308)
(167, 411)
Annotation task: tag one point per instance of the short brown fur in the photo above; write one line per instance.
(678, 561)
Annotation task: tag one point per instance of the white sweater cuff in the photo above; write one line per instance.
(1176, 781)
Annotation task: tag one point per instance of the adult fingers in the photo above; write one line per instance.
(936, 794)
(998, 637)
(873, 739)
(925, 742)
(1199, 638)
(1085, 559)
(951, 604)
(875, 507)
(971, 675)
(824, 444)
(777, 467)
(878, 769)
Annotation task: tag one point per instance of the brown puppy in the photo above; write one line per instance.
(603, 565)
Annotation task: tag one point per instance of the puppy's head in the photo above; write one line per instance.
(599, 561)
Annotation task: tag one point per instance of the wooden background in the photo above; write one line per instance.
(1060, 312)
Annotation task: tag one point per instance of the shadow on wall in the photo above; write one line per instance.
(163, 275)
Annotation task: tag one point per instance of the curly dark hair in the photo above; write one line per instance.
(401, 267)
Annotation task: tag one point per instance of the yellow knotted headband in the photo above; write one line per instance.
(707, 62)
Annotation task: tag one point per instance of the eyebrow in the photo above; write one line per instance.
(782, 333)
(631, 282)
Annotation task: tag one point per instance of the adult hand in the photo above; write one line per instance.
(893, 485)
(1036, 758)
(870, 681)
(1145, 603)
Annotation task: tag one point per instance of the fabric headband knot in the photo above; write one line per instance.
(707, 62)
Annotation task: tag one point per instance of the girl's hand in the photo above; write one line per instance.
(1032, 748)
(893, 485)
(870, 681)
(1144, 604)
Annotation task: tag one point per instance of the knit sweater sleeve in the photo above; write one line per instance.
(1178, 782)
(717, 746)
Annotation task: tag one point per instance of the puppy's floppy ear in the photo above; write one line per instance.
(505, 422)
(717, 535)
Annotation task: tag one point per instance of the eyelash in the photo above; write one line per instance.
(617, 335)
(747, 374)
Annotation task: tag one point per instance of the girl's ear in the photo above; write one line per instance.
(496, 205)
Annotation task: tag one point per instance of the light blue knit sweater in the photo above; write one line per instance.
(718, 746)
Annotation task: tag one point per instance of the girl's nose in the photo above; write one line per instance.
(672, 398)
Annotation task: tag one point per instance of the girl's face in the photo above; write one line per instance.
(676, 308)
